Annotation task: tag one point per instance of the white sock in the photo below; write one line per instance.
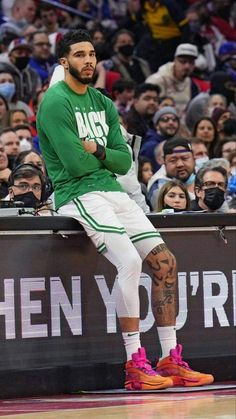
(167, 337)
(131, 342)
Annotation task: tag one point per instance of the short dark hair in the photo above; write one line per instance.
(201, 173)
(121, 85)
(219, 146)
(70, 38)
(23, 154)
(196, 140)
(46, 8)
(141, 162)
(144, 87)
(229, 127)
(121, 32)
(39, 32)
(6, 130)
(28, 171)
(22, 126)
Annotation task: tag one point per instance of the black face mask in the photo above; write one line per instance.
(29, 200)
(126, 50)
(214, 198)
(195, 26)
(21, 62)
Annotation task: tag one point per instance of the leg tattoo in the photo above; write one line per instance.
(163, 266)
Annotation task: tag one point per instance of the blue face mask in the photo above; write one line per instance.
(200, 162)
(190, 180)
(8, 90)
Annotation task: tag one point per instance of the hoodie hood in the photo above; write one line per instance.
(170, 86)
(160, 174)
(9, 68)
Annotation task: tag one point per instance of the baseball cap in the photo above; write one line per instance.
(186, 49)
(170, 145)
(164, 111)
(18, 43)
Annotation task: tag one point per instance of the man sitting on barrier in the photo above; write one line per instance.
(83, 147)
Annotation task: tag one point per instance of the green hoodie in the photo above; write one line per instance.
(64, 120)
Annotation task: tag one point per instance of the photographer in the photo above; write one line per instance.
(27, 184)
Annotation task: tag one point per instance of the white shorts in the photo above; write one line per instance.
(104, 214)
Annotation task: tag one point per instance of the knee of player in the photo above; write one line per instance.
(136, 262)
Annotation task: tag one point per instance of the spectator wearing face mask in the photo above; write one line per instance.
(124, 59)
(34, 158)
(11, 145)
(210, 190)
(23, 132)
(17, 62)
(27, 185)
(8, 91)
(219, 116)
(200, 152)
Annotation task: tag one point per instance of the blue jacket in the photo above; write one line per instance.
(42, 68)
(150, 141)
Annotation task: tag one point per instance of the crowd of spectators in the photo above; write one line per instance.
(170, 69)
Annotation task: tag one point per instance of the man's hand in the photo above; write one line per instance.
(94, 148)
(89, 146)
(4, 174)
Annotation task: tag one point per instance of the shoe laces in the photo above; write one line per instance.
(176, 356)
(142, 362)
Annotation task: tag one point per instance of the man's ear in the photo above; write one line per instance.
(197, 192)
(11, 193)
(64, 63)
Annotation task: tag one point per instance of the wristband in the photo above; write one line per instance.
(100, 152)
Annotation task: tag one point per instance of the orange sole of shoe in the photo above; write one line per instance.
(142, 385)
(185, 382)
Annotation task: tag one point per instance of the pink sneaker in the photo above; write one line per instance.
(179, 371)
(141, 376)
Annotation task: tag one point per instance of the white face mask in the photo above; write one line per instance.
(25, 145)
(200, 162)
